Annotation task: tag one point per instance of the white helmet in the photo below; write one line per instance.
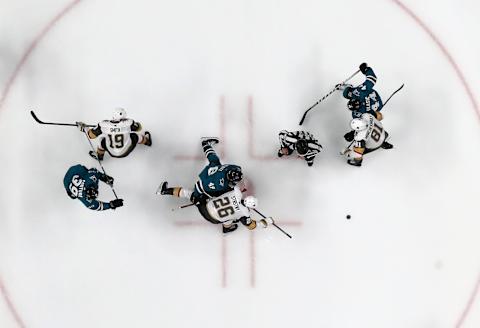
(358, 124)
(118, 114)
(250, 201)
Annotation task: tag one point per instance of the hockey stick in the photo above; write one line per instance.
(100, 163)
(393, 93)
(51, 123)
(274, 224)
(324, 97)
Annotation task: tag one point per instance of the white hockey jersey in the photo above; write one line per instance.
(373, 136)
(228, 207)
(117, 136)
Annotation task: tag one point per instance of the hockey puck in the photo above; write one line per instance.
(348, 216)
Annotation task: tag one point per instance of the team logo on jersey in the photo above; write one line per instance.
(211, 185)
(212, 170)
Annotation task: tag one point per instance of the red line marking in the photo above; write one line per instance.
(5, 93)
(224, 261)
(469, 305)
(445, 52)
(36, 40)
(252, 260)
(49, 26)
(10, 305)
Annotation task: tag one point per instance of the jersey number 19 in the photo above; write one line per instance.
(116, 141)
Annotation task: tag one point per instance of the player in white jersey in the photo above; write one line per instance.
(117, 136)
(227, 209)
(302, 141)
(367, 135)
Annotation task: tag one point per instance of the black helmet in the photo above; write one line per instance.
(234, 174)
(353, 104)
(91, 193)
(302, 147)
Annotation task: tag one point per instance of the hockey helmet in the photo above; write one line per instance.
(234, 174)
(358, 124)
(119, 114)
(348, 92)
(91, 193)
(302, 147)
(353, 104)
(250, 202)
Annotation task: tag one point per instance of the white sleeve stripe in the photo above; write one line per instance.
(371, 79)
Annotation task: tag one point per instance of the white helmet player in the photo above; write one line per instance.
(119, 114)
(358, 124)
(250, 202)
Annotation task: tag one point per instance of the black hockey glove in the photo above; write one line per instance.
(349, 136)
(363, 67)
(116, 203)
(107, 179)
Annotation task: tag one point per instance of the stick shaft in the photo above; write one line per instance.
(393, 93)
(324, 97)
(53, 123)
(273, 223)
(100, 163)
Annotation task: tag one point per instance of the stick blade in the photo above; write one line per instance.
(35, 117)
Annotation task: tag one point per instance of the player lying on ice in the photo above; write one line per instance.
(82, 184)
(217, 194)
(366, 136)
(117, 136)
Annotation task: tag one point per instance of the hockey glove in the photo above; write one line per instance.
(343, 86)
(107, 179)
(363, 67)
(249, 223)
(266, 222)
(116, 203)
(349, 136)
(81, 126)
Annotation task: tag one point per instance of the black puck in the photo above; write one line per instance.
(348, 216)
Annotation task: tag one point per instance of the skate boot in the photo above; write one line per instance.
(164, 190)
(230, 228)
(354, 162)
(209, 141)
(386, 145)
(149, 139)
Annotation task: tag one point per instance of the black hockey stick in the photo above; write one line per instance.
(324, 97)
(100, 163)
(394, 92)
(51, 123)
(274, 224)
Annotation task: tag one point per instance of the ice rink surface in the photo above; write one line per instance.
(241, 70)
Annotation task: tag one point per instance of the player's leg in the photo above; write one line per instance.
(355, 156)
(100, 150)
(285, 147)
(207, 146)
(144, 138)
(229, 227)
(175, 191)
(385, 144)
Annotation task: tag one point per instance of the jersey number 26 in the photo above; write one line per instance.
(223, 207)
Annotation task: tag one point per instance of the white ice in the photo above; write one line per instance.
(409, 257)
